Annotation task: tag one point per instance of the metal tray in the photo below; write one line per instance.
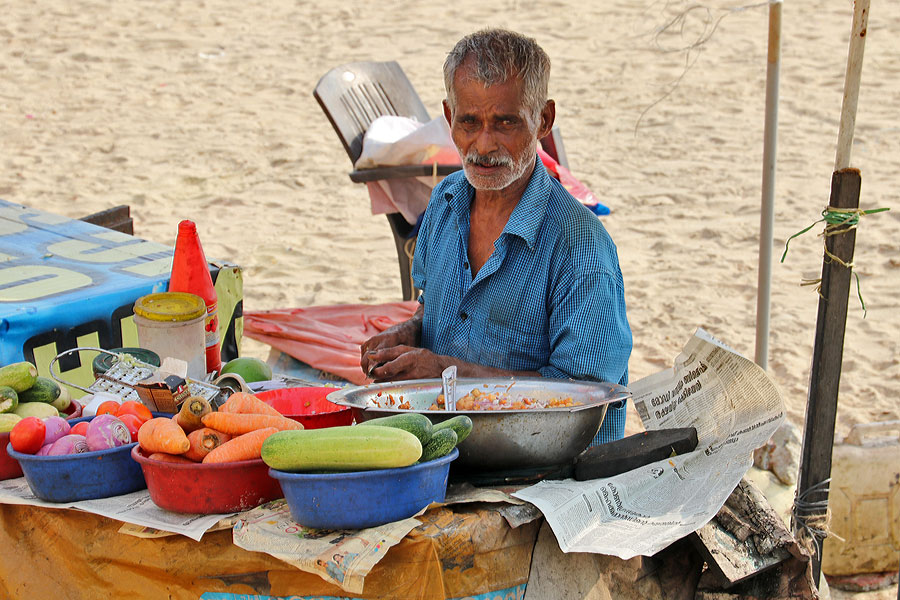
(502, 439)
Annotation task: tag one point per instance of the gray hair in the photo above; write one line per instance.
(500, 55)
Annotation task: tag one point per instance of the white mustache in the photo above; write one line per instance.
(489, 160)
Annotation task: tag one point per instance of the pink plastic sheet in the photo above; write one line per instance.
(326, 337)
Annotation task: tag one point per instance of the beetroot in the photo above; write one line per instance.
(56, 427)
(106, 431)
(68, 444)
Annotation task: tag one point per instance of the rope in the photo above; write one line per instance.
(812, 519)
(837, 221)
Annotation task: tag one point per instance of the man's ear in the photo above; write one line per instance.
(548, 116)
(447, 114)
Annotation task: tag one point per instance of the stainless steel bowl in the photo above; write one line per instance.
(501, 440)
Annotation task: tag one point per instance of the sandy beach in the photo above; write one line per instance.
(204, 110)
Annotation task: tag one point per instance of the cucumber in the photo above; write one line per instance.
(417, 424)
(347, 448)
(64, 400)
(44, 390)
(8, 421)
(461, 424)
(442, 442)
(9, 399)
(19, 376)
(35, 409)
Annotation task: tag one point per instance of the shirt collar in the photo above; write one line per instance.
(526, 217)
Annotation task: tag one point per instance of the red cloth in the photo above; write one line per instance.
(326, 337)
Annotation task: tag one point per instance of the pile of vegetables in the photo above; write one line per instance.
(23, 393)
(197, 434)
(384, 443)
(55, 436)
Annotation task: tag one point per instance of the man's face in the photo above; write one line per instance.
(495, 133)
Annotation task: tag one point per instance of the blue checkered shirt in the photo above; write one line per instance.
(550, 298)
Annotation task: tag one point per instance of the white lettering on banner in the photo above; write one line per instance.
(153, 268)
(83, 251)
(39, 282)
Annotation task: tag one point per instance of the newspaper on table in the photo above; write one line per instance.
(342, 557)
(136, 508)
(735, 408)
(345, 557)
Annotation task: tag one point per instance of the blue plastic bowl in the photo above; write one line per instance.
(364, 499)
(85, 476)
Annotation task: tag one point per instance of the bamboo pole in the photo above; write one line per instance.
(767, 209)
(851, 83)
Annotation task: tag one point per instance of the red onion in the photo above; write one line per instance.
(106, 431)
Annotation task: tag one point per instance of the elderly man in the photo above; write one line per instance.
(517, 277)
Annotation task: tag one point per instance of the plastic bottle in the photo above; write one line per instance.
(190, 273)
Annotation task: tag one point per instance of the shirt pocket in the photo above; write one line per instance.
(508, 347)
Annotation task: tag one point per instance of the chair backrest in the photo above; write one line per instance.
(355, 94)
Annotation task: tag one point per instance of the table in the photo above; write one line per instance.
(465, 551)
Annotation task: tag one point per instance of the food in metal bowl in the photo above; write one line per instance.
(479, 400)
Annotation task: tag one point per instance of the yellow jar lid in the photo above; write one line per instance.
(170, 306)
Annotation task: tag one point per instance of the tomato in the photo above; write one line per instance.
(133, 423)
(27, 436)
(132, 407)
(79, 428)
(110, 407)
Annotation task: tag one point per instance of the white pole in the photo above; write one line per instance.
(767, 209)
(851, 83)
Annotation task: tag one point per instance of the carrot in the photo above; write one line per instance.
(238, 424)
(247, 404)
(203, 441)
(191, 413)
(242, 447)
(162, 434)
(172, 458)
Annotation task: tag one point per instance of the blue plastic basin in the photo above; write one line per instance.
(85, 476)
(364, 499)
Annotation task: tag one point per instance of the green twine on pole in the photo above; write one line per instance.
(837, 221)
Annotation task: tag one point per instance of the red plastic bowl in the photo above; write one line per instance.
(9, 467)
(207, 489)
(308, 406)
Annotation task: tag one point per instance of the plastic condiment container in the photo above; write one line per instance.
(172, 324)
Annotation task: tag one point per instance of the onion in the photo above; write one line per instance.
(106, 431)
(55, 428)
(68, 444)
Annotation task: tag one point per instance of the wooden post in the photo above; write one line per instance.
(825, 377)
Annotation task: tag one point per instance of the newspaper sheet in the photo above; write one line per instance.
(135, 508)
(342, 557)
(735, 408)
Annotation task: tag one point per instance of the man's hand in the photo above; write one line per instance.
(402, 334)
(405, 362)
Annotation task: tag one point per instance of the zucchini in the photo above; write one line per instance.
(442, 443)
(44, 390)
(347, 448)
(416, 423)
(19, 376)
(7, 422)
(9, 399)
(461, 424)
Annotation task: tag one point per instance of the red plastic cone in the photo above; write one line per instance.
(190, 273)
